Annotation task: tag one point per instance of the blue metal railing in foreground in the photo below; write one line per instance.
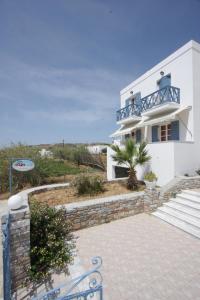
(6, 259)
(91, 280)
(164, 95)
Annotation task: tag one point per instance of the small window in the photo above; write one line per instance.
(127, 136)
(165, 132)
(134, 99)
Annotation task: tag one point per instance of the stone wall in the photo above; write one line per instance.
(152, 200)
(95, 212)
(177, 185)
(19, 246)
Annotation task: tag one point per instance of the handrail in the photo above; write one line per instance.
(68, 290)
(164, 95)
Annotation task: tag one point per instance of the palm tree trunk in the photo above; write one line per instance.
(132, 182)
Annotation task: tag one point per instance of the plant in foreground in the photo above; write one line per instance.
(150, 176)
(52, 242)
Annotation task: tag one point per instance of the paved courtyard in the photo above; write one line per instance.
(143, 258)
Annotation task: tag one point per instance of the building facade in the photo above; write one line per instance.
(162, 107)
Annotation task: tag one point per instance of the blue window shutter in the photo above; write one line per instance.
(154, 131)
(138, 135)
(164, 81)
(175, 130)
(127, 102)
(138, 98)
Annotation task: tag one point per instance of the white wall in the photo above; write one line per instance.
(180, 66)
(96, 149)
(187, 158)
(111, 164)
(162, 161)
(196, 75)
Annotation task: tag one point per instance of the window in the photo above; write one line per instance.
(134, 99)
(164, 81)
(127, 136)
(165, 132)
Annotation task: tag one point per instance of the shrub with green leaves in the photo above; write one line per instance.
(150, 176)
(44, 168)
(52, 242)
(88, 185)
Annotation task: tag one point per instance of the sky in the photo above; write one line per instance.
(64, 62)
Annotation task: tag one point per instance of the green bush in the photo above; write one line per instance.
(44, 168)
(65, 152)
(88, 185)
(52, 242)
(150, 176)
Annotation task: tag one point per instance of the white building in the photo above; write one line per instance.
(96, 149)
(45, 153)
(162, 107)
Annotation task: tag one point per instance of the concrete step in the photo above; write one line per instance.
(178, 223)
(191, 192)
(190, 197)
(187, 203)
(181, 216)
(183, 209)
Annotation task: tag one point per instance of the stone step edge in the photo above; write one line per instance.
(191, 205)
(183, 209)
(172, 221)
(192, 192)
(187, 220)
(188, 197)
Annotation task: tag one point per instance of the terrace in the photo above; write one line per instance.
(165, 99)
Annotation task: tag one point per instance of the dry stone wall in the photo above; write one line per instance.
(99, 211)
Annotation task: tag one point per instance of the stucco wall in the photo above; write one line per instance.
(196, 92)
(180, 66)
(162, 161)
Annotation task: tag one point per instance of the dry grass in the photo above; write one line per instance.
(68, 195)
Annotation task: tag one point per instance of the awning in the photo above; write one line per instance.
(147, 121)
(163, 118)
(125, 129)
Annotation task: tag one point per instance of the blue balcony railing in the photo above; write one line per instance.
(129, 110)
(162, 96)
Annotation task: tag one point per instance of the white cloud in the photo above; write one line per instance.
(78, 94)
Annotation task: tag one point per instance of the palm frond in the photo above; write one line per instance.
(142, 154)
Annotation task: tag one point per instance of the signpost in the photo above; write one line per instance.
(20, 165)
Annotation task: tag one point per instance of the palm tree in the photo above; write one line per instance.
(132, 155)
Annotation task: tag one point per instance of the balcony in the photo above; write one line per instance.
(165, 99)
(130, 111)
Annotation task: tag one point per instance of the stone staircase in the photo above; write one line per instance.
(182, 212)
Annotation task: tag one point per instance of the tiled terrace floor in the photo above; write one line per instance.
(144, 258)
